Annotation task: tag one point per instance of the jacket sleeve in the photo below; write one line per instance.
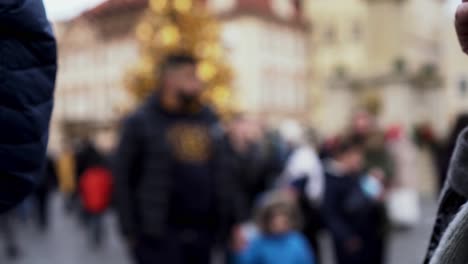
(231, 192)
(450, 205)
(125, 166)
(28, 64)
(305, 165)
(453, 248)
(250, 255)
(453, 197)
(306, 255)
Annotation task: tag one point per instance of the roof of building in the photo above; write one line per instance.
(115, 6)
(258, 7)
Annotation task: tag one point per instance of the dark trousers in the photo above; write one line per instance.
(42, 205)
(313, 239)
(178, 247)
(376, 251)
(312, 226)
(372, 252)
(95, 229)
(344, 257)
(8, 232)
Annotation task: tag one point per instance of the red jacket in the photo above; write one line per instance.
(96, 189)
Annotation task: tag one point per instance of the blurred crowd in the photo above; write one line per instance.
(354, 186)
(184, 184)
(192, 185)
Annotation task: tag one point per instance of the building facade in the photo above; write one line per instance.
(266, 43)
(389, 51)
(313, 60)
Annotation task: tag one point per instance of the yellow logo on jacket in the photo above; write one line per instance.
(190, 142)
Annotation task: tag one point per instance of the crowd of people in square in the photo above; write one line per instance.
(190, 187)
(185, 184)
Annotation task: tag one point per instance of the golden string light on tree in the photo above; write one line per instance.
(172, 26)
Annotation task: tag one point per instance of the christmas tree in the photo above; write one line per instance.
(181, 26)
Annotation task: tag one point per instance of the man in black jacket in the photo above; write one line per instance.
(27, 77)
(172, 195)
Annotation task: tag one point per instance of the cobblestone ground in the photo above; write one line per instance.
(66, 242)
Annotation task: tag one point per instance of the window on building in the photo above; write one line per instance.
(281, 97)
(463, 87)
(301, 94)
(222, 6)
(297, 45)
(330, 35)
(288, 93)
(288, 43)
(276, 97)
(279, 41)
(357, 31)
(267, 89)
(81, 60)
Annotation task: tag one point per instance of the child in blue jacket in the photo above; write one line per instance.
(279, 242)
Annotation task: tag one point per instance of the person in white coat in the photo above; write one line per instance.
(304, 166)
(403, 197)
(304, 173)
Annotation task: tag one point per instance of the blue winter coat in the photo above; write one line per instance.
(290, 248)
(27, 76)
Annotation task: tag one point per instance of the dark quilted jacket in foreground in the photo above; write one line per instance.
(27, 76)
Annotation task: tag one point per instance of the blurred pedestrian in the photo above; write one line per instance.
(275, 153)
(245, 161)
(42, 194)
(87, 157)
(304, 172)
(8, 232)
(66, 175)
(28, 66)
(403, 199)
(378, 159)
(350, 205)
(364, 129)
(96, 195)
(172, 195)
(279, 241)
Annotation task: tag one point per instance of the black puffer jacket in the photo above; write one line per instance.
(27, 76)
(145, 178)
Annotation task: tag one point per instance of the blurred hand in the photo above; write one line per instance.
(238, 241)
(461, 25)
(379, 175)
(353, 245)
